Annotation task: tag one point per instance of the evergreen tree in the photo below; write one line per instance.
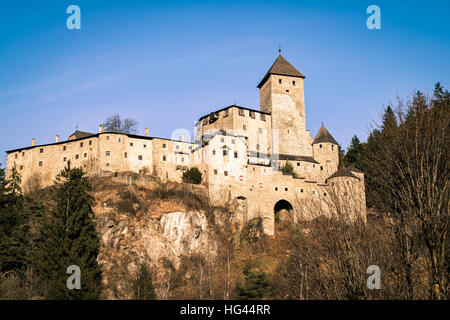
(192, 175)
(389, 120)
(256, 285)
(142, 284)
(14, 226)
(68, 237)
(354, 153)
(341, 154)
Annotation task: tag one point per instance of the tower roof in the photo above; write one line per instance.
(324, 136)
(343, 172)
(281, 67)
(80, 134)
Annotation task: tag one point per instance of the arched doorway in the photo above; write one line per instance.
(282, 210)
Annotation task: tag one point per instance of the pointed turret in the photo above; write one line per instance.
(324, 136)
(281, 67)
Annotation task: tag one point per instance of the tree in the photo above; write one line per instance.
(256, 285)
(288, 169)
(68, 237)
(354, 153)
(142, 283)
(192, 175)
(116, 124)
(389, 120)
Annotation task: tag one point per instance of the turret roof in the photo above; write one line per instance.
(324, 136)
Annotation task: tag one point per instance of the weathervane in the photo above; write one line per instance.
(279, 49)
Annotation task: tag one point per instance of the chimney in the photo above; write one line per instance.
(146, 132)
(57, 138)
(100, 128)
(33, 141)
(182, 138)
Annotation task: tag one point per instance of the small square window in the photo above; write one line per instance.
(298, 164)
(321, 167)
(287, 90)
(233, 141)
(125, 155)
(320, 146)
(244, 127)
(263, 117)
(119, 140)
(40, 163)
(225, 152)
(41, 150)
(107, 164)
(252, 114)
(235, 155)
(285, 189)
(276, 188)
(177, 147)
(108, 153)
(21, 167)
(279, 81)
(222, 139)
(332, 147)
(64, 148)
(16, 156)
(81, 144)
(145, 146)
(23, 154)
(77, 156)
(260, 130)
(164, 146)
(301, 190)
(226, 113)
(215, 171)
(214, 152)
(131, 144)
(107, 137)
(225, 173)
(324, 194)
(64, 159)
(241, 112)
(90, 142)
(140, 157)
(164, 158)
(85, 155)
(205, 121)
(293, 83)
(313, 192)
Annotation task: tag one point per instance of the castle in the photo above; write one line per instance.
(238, 150)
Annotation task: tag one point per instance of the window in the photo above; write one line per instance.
(41, 150)
(140, 157)
(81, 144)
(324, 194)
(301, 190)
(205, 121)
(164, 146)
(298, 164)
(285, 189)
(287, 90)
(164, 158)
(263, 117)
(222, 139)
(276, 188)
(279, 81)
(313, 192)
(321, 167)
(233, 141)
(23, 154)
(131, 144)
(244, 127)
(16, 155)
(65, 159)
(260, 130)
(332, 147)
(215, 171)
(77, 156)
(125, 155)
(214, 152)
(235, 155)
(108, 153)
(225, 173)
(320, 146)
(21, 167)
(241, 112)
(177, 147)
(64, 148)
(40, 163)
(107, 137)
(226, 113)
(190, 147)
(257, 147)
(225, 152)
(145, 146)
(293, 83)
(119, 140)
(107, 164)
(90, 142)
(85, 155)
(252, 114)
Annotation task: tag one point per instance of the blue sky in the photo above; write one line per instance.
(167, 63)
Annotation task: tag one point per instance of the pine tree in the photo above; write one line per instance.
(256, 285)
(354, 153)
(389, 120)
(68, 237)
(142, 284)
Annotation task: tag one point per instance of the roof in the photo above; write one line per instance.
(281, 67)
(343, 172)
(81, 134)
(324, 136)
(296, 158)
(354, 169)
(236, 106)
(92, 135)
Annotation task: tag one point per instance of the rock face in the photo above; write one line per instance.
(126, 241)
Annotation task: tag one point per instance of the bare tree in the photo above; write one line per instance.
(116, 124)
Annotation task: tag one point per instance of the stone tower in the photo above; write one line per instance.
(282, 94)
(325, 151)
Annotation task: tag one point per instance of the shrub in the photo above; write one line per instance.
(288, 169)
(192, 175)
